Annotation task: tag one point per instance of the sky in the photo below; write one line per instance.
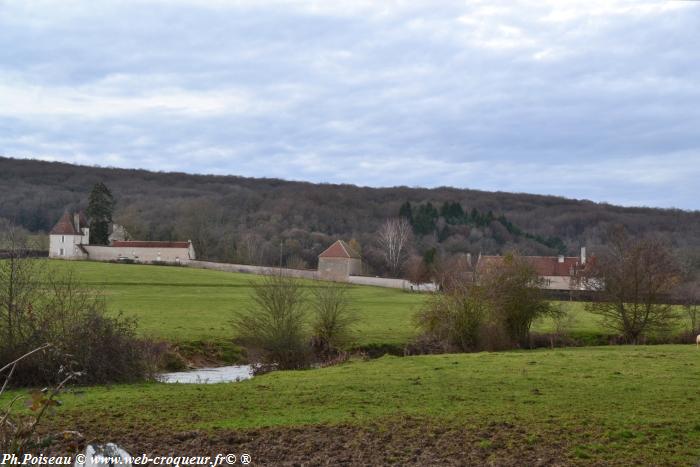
(594, 100)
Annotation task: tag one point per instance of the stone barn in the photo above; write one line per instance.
(338, 262)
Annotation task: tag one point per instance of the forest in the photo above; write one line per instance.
(271, 221)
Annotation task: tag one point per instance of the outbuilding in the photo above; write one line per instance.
(338, 262)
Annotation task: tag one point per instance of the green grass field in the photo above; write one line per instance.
(590, 406)
(183, 305)
(599, 404)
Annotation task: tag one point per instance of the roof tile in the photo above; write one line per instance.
(339, 249)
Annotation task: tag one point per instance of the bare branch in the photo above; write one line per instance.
(394, 237)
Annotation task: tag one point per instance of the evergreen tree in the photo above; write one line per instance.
(455, 213)
(424, 222)
(406, 211)
(474, 216)
(445, 210)
(100, 210)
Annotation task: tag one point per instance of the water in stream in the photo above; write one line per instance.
(224, 374)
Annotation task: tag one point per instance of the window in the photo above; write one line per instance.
(63, 238)
(60, 252)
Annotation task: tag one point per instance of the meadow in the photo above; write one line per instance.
(612, 405)
(589, 405)
(183, 305)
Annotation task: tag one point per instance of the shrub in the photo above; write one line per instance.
(453, 321)
(333, 318)
(275, 321)
(515, 294)
(39, 305)
(495, 312)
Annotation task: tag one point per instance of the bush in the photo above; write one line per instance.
(453, 321)
(275, 322)
(493, 313)
(515, 294)
(39, 305)
(333, 318)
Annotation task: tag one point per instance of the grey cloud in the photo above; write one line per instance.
(587, 106)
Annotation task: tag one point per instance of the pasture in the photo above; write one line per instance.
(612, 405)
(180, 304)
(588, 406)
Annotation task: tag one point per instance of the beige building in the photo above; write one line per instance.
(68, 236)
(142, 252)
(338, 262)
(559, 272)
(70, 239)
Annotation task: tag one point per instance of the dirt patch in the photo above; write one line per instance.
(404, 442)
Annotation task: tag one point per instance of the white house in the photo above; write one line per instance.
(70, 239)
(68, 236)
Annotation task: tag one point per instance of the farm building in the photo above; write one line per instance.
(70, 239)
(559, 272)
(338, 262)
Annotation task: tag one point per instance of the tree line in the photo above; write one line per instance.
(268, 221)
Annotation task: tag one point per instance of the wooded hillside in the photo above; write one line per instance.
(263, 221)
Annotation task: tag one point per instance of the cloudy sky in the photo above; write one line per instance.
(592, 99)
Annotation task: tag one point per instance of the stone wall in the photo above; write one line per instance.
(391, 283)
(558, 283)
(138, 254)
(249, 269)
(338, 269)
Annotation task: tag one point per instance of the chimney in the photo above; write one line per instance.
(583, 255)
(76, 222)
(561, 258)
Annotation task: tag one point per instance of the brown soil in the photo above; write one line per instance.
(405, 443)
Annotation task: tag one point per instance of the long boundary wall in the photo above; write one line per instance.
(391, 283)
(248, 269)
(310, 274)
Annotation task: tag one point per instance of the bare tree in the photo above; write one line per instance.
(454, 271)
(394, 237)
(252, 249)
(633, 281)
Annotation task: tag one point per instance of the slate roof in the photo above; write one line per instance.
(339, 249)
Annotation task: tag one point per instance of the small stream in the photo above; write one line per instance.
(224, 374)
